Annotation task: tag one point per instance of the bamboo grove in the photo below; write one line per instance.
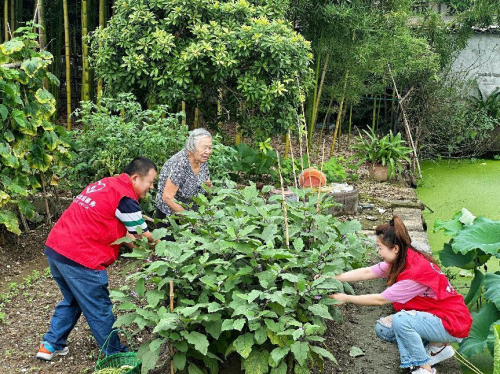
(352, 44)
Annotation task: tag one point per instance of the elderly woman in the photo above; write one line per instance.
(182, 176)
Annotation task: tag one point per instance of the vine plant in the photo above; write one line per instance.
(239, 288)
(29, 142)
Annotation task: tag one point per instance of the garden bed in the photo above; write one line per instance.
(34, 295)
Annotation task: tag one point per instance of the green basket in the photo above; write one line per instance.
(118, 360)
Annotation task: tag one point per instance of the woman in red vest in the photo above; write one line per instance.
(429, 312)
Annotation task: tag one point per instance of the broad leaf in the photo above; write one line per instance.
(477, 341)
(475, 288)
(483, 234)
(450, 258)
(320, 310)
(256, 363)
(300, 350)
(492, 286)
(197, 340)
(243, 344)
(278, 353)
(180, 360)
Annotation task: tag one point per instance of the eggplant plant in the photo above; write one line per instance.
(244, 282)
(474, 241)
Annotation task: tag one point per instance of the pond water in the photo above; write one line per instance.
(449, 186)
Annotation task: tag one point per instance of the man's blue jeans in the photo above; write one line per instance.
(412, 331)
(84, 290)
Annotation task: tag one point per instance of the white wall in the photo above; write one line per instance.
(481, 58)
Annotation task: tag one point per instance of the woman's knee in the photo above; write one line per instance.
(383, 329)
(402, 320)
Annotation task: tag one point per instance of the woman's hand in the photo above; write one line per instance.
(341, 297)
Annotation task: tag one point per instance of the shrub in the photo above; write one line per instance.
(116, 132)
(239, 286)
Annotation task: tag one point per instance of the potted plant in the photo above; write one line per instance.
(383, 154)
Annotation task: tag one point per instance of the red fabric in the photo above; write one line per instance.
(449, 306)
(85, 231)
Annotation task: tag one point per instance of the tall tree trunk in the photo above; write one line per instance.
(68, 67)
(102, 18)
(6, 19)
(85, 54)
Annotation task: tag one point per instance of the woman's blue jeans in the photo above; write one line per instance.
(412, 331)
(84, 290)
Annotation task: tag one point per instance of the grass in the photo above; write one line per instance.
(449, 186)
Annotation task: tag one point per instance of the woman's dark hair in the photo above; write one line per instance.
(394, 234)
(140, 166)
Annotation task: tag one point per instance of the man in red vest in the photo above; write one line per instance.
(79, 249)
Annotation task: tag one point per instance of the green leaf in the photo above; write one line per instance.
(298, 244)
(278, 353)
(249, 193)
(238, 324)
(31, 66)
(193, 369)
(266, 278)
(300, 351)
(323, 353)
(475, 288)
(492, 286)
(140, 288)
(356, 352)
(449, 258)
(9, 220)
(477, 341)
(496, 355)
(320, 310)
(260, 335)
(243, 344)
(483, 234)
(281, 369)
(12, 46)
(4, 112)
(197, 340)
(179, 360)
(256, 363)
(154, 297)
(150, 357)
(26, 208)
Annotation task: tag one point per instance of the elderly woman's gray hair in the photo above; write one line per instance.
(194, 138)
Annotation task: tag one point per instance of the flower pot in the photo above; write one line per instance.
(378, 172)
(312, 177)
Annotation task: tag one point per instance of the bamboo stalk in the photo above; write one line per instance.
(172, 369)
(318, 96)
(293, 162)
(13, 15)
(45, 198)
(68, 67)
(319, 189)
(287, 237)
(85, 54)
(183, 105)
(407, 126)
(102, 20)
(339, 113)
(287, 145)
(6, 19)
(41, 22)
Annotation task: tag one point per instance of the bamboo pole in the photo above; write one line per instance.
(339, 113)
(373, 112)
(6, 19)
(13, 15)
(102, 20)
(293, 162)
(171, 283)
(318, 96)
(407, 125)
(41, 22)
(85, 54)
(287, 235)
(287, 145)
(183, 105)
(321, 169)
(68, 67)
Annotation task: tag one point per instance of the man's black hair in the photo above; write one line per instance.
(140, 166)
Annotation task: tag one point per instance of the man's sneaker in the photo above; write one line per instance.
(423, 371)
(438, 354)
(46, 352)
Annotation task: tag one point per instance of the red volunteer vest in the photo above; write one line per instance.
(449, 306)
(85, 231)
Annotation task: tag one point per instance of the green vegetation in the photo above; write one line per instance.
(243, 276)
(30, 144)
